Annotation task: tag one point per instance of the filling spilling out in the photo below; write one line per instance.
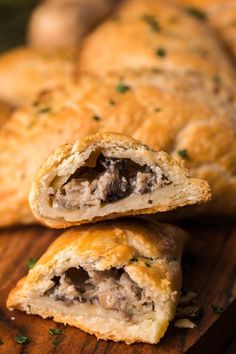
(110, 180)
(111, 290)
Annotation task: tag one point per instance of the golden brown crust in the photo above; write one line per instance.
(175, 41)
(24, 72)
(221, 15)
(65, 161)
(103, 246)
(157, 110)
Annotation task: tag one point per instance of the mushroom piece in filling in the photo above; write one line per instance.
(111, 290)
(110, 180)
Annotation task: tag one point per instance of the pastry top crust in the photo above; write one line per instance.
(142, 247)
(221, 15)
(146, 34)
(24, 72)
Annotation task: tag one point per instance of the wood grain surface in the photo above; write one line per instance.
(209, 269)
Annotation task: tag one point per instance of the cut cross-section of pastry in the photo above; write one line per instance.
(108, 175)
(117, 280)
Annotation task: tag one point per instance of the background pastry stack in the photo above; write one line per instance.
(160, 76)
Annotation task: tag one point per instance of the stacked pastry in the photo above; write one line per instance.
(118, 280)
(160, 77)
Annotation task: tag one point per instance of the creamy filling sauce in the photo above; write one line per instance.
(111, 290)
(110, 180)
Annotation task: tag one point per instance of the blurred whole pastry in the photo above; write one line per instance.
(117, 280)
(25, 71)
(63, 23)
(221, 15)
(154, 34)
(105, 176)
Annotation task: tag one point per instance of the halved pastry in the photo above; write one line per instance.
(117, 280)
(110, 175)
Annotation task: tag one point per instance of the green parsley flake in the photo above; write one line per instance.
(147, 264)
(152, 22)
(217, 79)
(21, 339)
(97, 118)
(54, 331)
(217, 309)
(31, 263)
(44, 110)
(197, 315)
(122, 88)
(56, 341)
(161, 52)
(194, 11)
(1, 342)
(183, 153)
(134, 259)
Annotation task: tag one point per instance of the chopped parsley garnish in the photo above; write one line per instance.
(147, 264)
(97, 118)
(21, 339)
(194, 11)
(156, 70)
(122, 88)
(161, 52)
(56, 341)
(36, 103)
(152, 22)
(31, 263)
(54, 331)
(197, 315)
(217, 309)
(217, 79)
(44, 110)
(183, 153)
(134, 259)
(1, 342)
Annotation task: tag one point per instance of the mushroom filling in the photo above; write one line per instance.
(110, 180)
(111, 290)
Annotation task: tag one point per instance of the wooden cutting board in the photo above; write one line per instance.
(209, 267)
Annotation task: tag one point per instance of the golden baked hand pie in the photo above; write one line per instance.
(117, 280)
(149, 34)
(25, 71)
(220, 14)
(106, 175)
(154, 107)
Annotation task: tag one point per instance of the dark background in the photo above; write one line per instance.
(14, 16)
